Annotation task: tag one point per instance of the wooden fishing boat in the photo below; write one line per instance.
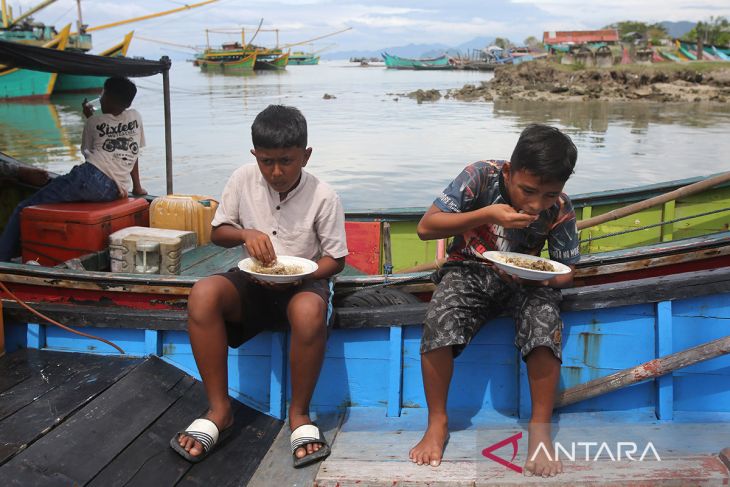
(272, 61)
(224, 63)
(22, 84)
(645, 344)
(70, 83)
(300, 58)
(397, 62)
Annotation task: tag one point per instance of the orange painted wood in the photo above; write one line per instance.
(363, 242)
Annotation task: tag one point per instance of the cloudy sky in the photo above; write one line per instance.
(375, 24)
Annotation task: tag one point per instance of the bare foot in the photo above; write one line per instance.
(222, 420)
(430, 449)
(295, 422)
(541, 458)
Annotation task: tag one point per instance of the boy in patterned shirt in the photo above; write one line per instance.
(513, 206)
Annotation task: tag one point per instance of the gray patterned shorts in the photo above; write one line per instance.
(471, 293)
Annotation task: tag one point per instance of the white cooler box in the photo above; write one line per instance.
(144, 250)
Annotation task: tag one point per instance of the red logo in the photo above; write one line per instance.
(487, 452)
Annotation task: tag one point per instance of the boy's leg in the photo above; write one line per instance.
(307, 312)
(437, 367)
(212, 301)
(464, 300)
(539, 338)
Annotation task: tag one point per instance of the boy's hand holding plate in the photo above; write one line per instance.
(505, 262)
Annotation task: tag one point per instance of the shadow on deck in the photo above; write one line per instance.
(79, 419)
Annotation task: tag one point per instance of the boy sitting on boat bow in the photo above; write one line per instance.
(271, 208)
(110, 144)
(505, 206)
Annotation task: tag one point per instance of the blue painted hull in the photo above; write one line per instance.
(380, 367)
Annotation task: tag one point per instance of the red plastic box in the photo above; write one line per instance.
(54, 233)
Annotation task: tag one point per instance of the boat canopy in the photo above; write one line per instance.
(13, 54)
(16, 55)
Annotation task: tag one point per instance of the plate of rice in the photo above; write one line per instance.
(285, 269)
(526, 266)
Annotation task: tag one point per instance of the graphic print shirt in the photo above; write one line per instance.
(112, 143)
(481, 184)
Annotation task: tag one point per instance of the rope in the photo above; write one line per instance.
(54, 322)
(653, 225)
(389, 282)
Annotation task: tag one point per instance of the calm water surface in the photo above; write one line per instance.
(378, 148)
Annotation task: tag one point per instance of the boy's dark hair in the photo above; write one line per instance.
(279, 127)
(546, 152)
(121, 90)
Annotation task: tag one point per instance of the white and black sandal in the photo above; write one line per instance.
(203, 430)
(305, 435)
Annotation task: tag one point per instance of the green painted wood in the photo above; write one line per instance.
(22, 83)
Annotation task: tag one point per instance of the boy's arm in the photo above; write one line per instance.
(440, 224)
(136, 185)
(257, 243)
(328, 267)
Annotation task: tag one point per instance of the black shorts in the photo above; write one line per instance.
(265, 309)
(471, 293)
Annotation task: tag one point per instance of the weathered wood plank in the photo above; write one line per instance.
(49, 372)
(697, 471)
(253, 434)
(645, 371)
(276, 467)
(99, 431)
(14, 369)
(664, 288)
(149, 460)
(51, 408)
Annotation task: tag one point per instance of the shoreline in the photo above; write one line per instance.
(544, 81)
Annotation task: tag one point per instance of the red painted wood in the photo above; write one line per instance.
(363, 242)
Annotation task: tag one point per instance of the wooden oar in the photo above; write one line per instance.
(657, 200)
(684, 191)
(648, 370)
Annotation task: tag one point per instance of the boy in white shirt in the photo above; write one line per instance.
(271, 208)
(110, 143)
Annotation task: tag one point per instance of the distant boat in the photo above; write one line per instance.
(226, 63)
(303, 58)
(272, 62)
(396, 62)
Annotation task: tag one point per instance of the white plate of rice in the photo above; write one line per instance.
(286, 269)
(515, 263)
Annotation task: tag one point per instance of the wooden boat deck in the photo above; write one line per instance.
(83, 419)
(80, 419)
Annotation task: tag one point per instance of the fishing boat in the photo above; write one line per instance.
(70, 83)
(23, 84)
(24, 30)
(644, 346)
(272, 60)
(300, 58)
(396, 62)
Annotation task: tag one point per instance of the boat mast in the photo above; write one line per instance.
(6, 19)
(80, 23)
(27, 14)
(150, 16)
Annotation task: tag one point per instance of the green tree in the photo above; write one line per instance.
(652, 32)
(532, 42)
(502, 42)
(715, 31)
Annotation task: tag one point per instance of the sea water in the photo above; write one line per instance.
(375, 146)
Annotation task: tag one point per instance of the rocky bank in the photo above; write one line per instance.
(544, 81)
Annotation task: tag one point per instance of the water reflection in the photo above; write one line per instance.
(595, 116)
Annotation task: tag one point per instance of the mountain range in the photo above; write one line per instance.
(674, 29)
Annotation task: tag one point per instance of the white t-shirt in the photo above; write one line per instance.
(309, 223)
(112, 143)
